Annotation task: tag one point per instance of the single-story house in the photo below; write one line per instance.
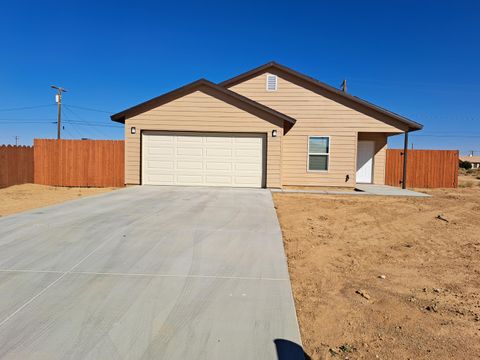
(472, 159)
(269, 127)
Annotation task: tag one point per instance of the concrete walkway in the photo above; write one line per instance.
(385, 190)
(148, 273)
(360, 190)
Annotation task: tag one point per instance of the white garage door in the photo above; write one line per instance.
(202, 159)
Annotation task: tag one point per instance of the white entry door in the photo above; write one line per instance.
(365, 153)
(202, 159)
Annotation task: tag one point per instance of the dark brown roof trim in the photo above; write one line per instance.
(412, 125)
(189, 88)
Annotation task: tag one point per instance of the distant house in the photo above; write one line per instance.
(474, 160)
(269, 127)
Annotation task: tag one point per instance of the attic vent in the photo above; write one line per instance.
(271, 82)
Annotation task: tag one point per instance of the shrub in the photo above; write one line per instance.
(466, 184)
(467, 165)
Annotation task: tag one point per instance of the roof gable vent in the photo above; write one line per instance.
(271, 82)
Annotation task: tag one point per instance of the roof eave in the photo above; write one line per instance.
(412, 125)
(186, 89)
(118, 118)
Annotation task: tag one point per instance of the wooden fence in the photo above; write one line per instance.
(95, 163)
(16, 165)
(100, 163)
(425, 168)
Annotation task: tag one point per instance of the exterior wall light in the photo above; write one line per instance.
(274, 133)
(133, 130)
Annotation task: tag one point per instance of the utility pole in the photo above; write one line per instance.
(58, 99)
(16, 140)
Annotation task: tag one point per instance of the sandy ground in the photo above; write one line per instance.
(384, 277)
(24, 197)
(468, 181)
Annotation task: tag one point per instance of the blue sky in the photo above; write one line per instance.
(417, 58)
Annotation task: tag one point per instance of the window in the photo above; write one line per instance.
(318, 153)
(271, 82)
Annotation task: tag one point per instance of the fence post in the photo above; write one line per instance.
(405, 156)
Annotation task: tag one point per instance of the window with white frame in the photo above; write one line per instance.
(318, 153)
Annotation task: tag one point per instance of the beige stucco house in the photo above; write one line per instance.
(269, 127)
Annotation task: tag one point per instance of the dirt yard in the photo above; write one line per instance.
(24, 197)
(465, 181)
(469, 178)
(385, 277)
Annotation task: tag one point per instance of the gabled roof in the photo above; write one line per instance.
(277, 68)
(205, 85)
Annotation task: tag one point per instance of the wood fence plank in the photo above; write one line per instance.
(79, 162)
(425, 168)
(16, 165)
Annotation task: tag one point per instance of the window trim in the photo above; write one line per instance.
(276, 83)
(328, 154)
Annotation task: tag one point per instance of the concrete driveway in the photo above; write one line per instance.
(148, 273)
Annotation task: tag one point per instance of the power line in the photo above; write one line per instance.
(79, 117)
(26, 107)
(88, 124)
(73, 128)
(447, 136)
(54, 121)
(446, 132)
(27, 119)
(28, 122)
(67, 107)
(69, 133)
(415, 84)
(90, 109)
(102, 134)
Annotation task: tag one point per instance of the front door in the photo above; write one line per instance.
(365, 152)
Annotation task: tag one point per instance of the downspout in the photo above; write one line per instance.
(405, 155)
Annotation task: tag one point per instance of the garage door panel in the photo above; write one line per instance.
(189, 179)
(165, 151)
(219, 152)
(219, 180)
(251, 167)
(160, 179)
(246, 141)
(190, 151)
(253, 153)
(245, 180)
(218, 165)
(158, 164)
(161, 140)
(189, 140)
(203, 159)
(189, 165)
(218, 140)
